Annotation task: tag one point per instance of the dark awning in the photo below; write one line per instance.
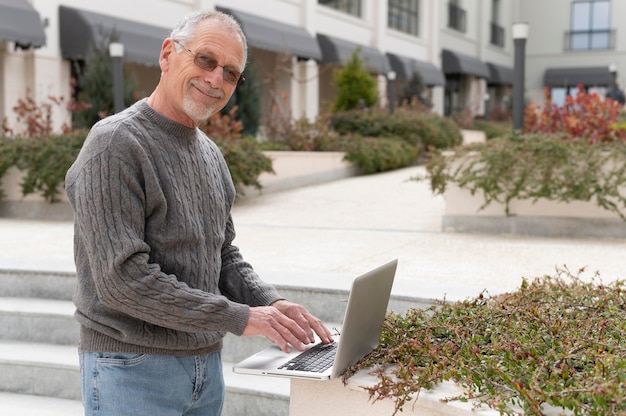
(405, 67)
(338, 51)
(276, 36)
(20, 23)
(82, 30)
(499, 75)
(458, 63)
(571, 77)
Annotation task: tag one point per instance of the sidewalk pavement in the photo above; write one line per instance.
(324, 235)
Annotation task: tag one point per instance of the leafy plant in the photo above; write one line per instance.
(583, 116)
(247, 99)
(46, 160)
(414, 125)
(356, 87)
(380, 154)
(555, 342)
(95, 86)
(534, 167)
(243, 155)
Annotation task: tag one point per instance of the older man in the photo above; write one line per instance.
(159, 281)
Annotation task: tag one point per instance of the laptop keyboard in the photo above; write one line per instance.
(316, 359)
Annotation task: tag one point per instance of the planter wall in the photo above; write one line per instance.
(312, 398)
(542, 218)
(293, 169)
(32, 206)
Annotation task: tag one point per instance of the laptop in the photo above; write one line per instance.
(360, 334)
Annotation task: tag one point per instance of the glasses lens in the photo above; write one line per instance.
(209, 64)
(205, 62)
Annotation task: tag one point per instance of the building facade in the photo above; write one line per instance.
(459, 51)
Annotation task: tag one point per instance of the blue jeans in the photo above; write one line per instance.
(119, 384)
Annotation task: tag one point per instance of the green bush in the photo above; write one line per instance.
(243, 155)
(493, 129)
(379, 154)
(356, 87)
(45, 160)
(424, 130)
(245, 161)
(556, 341)
(533, 167)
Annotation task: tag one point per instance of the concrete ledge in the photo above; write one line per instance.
(292, 170)
(295, 169)
(542, 226)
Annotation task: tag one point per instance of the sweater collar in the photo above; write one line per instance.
(167, 125)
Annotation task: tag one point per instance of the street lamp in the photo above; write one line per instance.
(391, 77)
(116, 50)
(520, 34)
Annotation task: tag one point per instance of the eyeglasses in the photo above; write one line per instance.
(208, 63)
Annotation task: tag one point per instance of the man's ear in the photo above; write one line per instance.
(167, 49)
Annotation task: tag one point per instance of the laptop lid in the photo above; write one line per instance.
(360, 333)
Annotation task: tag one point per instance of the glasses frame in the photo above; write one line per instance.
(199, 57)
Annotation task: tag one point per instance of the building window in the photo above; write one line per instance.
(591, 25)
(456, 16)
(496, 30)
(352, 7)
(402, 16)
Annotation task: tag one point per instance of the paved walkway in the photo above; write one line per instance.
(324, 235)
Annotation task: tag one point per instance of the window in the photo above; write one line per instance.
(590, 28)
(456, 16)
(403, 16)
(496, 30)
(352, 7)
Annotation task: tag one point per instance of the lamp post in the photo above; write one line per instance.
(391, 77)
(613, 88)
(116, 50)
(520, 34)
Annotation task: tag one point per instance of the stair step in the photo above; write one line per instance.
(39, 369)
(38, 320)
(13, 404)
(52, 371)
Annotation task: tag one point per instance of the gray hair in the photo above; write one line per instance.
(185, 29)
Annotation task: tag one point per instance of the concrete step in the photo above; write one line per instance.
(327, 303)
(12, 404)
(52, 322)
(52, 371)
(38, 320)
(39, 369)
(45, 285)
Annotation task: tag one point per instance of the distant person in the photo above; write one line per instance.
(159, 281)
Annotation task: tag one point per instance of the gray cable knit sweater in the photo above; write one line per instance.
(157, 271)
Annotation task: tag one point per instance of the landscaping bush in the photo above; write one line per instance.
(555, 342)
(356, 87)
(534, 167)
(45, 160)
(420, 128)
(380, 154)
(493, 129)
(243, 155)
(583, 116)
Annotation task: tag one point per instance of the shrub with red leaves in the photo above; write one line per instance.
(584, 116)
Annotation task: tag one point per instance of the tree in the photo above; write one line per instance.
(95, 86)
(247, 99)
(356, 87)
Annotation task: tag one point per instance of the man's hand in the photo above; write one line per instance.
(286, 323)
